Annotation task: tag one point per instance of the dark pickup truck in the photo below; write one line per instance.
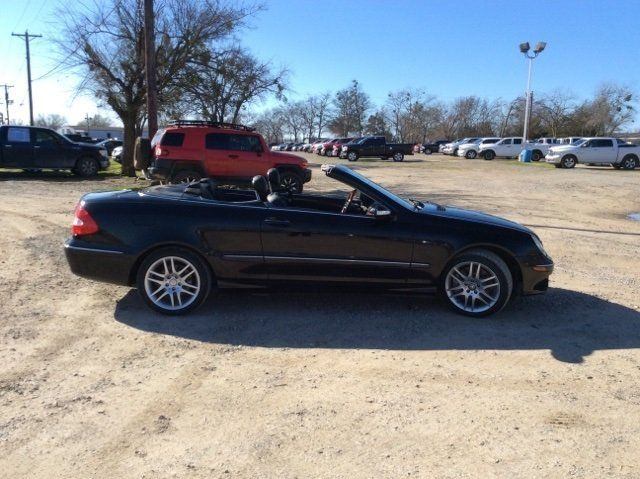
(35, 148)
(375, 146)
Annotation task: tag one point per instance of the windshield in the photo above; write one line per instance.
(395, 198)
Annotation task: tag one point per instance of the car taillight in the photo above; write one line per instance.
(83, 223)
(161, 151)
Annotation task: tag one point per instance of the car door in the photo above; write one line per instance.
(48, 150)
(310, 245)
(17, 150)
(516, 147)
(601, 150)
(234, 155)
(504, 147)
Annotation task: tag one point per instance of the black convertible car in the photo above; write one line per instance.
(177, 243)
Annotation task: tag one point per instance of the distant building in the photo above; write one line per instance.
(114, 132)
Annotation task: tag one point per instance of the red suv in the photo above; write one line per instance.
(187, 151)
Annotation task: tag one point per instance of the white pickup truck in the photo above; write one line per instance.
(506, 148)
(452, 148)
(598, 151)
(540, 147)
(470, 150)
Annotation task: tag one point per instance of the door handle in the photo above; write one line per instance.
(233, 156)
(36, 147)
(276, 222)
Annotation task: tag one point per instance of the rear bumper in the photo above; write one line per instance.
(94, 262)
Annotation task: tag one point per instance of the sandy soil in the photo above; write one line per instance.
(92, 384)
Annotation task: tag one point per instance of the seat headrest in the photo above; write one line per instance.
(260, 184)
(273, 176)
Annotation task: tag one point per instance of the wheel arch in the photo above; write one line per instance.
(169, 244)
(504, 254)
(179, 165)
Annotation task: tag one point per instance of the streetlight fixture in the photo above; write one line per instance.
(524, 48)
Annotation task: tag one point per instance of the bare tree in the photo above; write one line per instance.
(104, 40)
(554, 110)
(351, 107)
(53, 121)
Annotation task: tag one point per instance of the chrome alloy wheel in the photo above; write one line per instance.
(172, 283)
(472, 286)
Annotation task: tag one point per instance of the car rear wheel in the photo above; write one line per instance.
(352, 156)
(536, 155)
(186, 176)
(569, 161)
(477, 283)
(489, 155)
(427, 151)
(86, 167)
(471, 154)
(291, 182)
(629, 163)
(173, 281)
(398, 156)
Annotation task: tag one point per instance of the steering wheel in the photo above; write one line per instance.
(347, 203)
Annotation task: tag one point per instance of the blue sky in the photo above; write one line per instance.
(447, 48)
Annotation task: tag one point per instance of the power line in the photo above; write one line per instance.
(27, 36)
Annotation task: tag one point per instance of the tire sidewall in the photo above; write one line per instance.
(505, 290)
(180, 175)
(470, 155)
(199, 264)
(293, 175)
(629, 163)
(489, 155)
(352, 156)
(397, 157)
(568, 161)
(87, 167)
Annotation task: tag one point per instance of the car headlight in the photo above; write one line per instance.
(538, 244)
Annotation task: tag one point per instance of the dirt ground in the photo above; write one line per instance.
(92, 384)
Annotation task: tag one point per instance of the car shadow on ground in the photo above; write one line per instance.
(570, 324)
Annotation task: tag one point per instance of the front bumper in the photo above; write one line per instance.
(554, 158)
(306, 175)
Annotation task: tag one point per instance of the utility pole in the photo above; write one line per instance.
(150, 67)
(7, 102)
(87, 119)
(26, 35)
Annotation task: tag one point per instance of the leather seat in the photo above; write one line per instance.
(275, 198)
(260, 184)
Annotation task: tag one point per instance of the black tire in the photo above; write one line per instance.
(629, 162)
(291, 181)
(489, 155)
(186, 176)
(352, 156)
(398, 156)
(427, 151)
(536, 155)
(141, 153)
(492, 264)
(569, 161)
(454, 152)
(86, 167)
(178, 286)
(471, 154)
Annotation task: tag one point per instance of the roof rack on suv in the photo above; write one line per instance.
(214, 124)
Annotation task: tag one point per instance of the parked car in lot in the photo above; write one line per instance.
(116, 154)
(326, 147)
(506, 148)
(336, 148)
(540, 147)
(35, 148)
(376, 146)
(570, 140)
(109, 145)
(209, 237)
(187, 151)
(470, 150)
(598, 151)
(428, 148)
(452, 148)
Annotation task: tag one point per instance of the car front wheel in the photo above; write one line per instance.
(471, 154)
(352, 156)
(86, 167)
(173, 281)
(477, 283)
(569, 161)
(398, 156)
(291, 182)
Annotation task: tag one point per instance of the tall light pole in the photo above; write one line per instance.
(524, 48)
